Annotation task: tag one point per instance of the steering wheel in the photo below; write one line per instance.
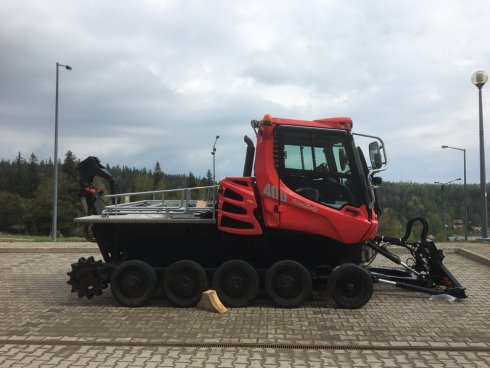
(342, 191)
(310, 193)
(323, 168)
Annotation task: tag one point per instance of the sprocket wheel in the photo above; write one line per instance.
(88, 277)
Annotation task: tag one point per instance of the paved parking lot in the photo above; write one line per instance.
(43, 324)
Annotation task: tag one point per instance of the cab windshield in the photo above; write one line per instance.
(317, 165)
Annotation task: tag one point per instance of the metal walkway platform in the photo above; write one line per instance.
(196, 205)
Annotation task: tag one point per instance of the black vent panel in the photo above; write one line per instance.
(233, 195)
(236, 224)
(228, 207)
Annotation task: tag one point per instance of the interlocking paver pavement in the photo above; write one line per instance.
(36, 305)
(123, 356)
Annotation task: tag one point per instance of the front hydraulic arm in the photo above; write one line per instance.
(428, 274)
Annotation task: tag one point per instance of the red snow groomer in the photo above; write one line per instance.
(304, 212)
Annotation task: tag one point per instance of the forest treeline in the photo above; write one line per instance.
(402, 201)
(26, 186)
(26, 191)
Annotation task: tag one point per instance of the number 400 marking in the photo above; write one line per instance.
(273, 192)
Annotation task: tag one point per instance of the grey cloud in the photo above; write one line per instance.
(158, 80)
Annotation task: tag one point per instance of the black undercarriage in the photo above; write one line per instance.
(164, 243)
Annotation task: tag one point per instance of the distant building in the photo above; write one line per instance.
(458, 224)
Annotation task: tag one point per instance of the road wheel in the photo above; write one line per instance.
(236, 283)
(287, 284)
(133, 283)
(350, 286)
(184, 282)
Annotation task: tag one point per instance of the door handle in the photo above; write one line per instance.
(353, 210)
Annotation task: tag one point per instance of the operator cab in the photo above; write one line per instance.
(316, 164)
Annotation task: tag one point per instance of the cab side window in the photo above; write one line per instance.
(316, 166)
(298, 157)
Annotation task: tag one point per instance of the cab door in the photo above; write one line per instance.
(319, 191)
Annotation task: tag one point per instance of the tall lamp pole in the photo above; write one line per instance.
(55, 180)
(444, 202)
(479, 79)
(213, 152)
(465, 192)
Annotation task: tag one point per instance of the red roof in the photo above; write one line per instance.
(342, 123)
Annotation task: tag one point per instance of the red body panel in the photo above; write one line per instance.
(349, 225)
(282, 208)
(236, 207)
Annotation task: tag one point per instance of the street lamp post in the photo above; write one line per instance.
(55, 180)
(213, 152)
(465, 191)
(444, 202)
(479, 79)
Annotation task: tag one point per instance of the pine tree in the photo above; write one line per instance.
(191, 180)
(32, 175)
(18, 183)
(157, 177)
(209, 178)
(69, 166)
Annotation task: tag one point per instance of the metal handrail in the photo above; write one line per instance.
(161, 206)
(159, 191)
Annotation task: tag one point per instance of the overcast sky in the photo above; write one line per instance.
(158, 80)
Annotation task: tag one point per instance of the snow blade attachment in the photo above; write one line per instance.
(426, 272)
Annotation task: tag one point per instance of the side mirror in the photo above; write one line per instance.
(375, 155)
(342, 159)
(377, 181)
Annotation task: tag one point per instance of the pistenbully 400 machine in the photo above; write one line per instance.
(303, 214)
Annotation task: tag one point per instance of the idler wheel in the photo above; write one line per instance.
(288, 284)
(184, 282)
(236, 283)
(350, 286)
(133, 283)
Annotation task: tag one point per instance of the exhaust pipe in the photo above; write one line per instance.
(249, 157)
